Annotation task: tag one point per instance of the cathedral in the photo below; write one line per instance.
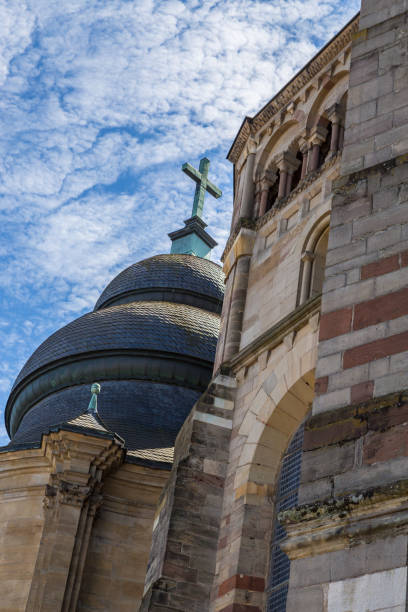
(235, 439)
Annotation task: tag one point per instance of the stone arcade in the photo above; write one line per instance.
(288, 484)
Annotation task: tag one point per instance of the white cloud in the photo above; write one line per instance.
(101, 102)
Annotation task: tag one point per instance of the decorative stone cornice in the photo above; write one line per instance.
(285, 96)
(297, 319)
(334, 524)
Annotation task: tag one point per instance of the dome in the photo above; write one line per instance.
(150, 342)
(143, 340)
(174, 278)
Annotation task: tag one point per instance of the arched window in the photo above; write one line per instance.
(286, 497)
(313, 264)
(297, 175)
(273, 192)
(325, 146)
(319, 264)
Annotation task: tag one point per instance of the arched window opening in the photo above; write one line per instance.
(319, 264)
(325, 146)
(286, 498)
(313, 267)
(273, 192)
(297, 175)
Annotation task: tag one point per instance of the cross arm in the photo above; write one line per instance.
(213, 190)
(191, 172)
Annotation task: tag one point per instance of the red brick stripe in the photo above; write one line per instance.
(240, 608)
(375, 350)
(321, 385)
(382, 266)
(384, 308)
(362, 392)
(241, 581)
(335, 323)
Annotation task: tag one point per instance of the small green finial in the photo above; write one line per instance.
(93, 404)
(200, 176)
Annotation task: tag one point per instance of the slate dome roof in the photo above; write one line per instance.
(150, 342)
(174, 328)
(174, 278)
(146, 414)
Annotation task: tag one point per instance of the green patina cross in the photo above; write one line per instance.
(203, 185)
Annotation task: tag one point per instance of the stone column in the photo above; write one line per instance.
(236, 268)
(334, 116)
(305, 152)
(266, 183)
(307, 259)
(247, 202)
(317, 138)
(341, 137)
(283, 179)
(293, 164)
(287, 164)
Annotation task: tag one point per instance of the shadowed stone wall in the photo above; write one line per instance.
(348, 539)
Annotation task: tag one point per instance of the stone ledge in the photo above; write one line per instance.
(359, 411)
(338, 523)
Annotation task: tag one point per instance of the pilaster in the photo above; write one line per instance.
(78, 466)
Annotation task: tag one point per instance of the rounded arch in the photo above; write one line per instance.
(315, 231)
(271, 149)
(313, 260)
(279, 406)
(330, 93)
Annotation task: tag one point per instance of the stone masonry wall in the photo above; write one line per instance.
(356, 459)
(23, 477)
(192, 511)
(348, 538)
(363, 350)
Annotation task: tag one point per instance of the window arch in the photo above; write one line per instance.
(286, 498)
(313, 263)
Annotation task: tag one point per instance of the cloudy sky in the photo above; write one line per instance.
(101, 102)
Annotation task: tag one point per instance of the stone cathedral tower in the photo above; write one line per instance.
(287, 489)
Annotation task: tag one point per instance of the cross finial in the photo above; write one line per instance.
(200, 176)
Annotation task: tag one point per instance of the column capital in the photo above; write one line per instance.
(334, 113)
(318, 135)
(287, 162)
(303, 145)
(267, 179)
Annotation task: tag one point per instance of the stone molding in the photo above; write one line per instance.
(336, 524)
(251, 125)
(242, 223)
(295, 320)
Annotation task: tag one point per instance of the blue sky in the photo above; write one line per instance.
(101, 102)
